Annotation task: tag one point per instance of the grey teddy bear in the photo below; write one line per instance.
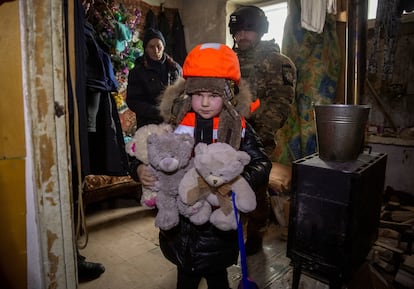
(170, 156)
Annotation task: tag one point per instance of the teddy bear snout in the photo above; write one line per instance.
(214, 181)
(169, 165)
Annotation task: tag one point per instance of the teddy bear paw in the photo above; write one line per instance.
(166, 221)
(223, 222)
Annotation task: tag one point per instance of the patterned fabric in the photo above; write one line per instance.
(317, 59)
(128, 122)
(94, 182)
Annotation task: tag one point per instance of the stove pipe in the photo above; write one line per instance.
(357, 11)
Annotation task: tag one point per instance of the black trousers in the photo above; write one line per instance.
(216, 280)
(257, 220)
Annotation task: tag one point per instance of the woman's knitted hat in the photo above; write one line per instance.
(152, 33)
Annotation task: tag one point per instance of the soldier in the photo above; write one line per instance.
(272, 80)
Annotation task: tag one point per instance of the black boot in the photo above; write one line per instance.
(254, 244)
(88, 270)
(257, 222)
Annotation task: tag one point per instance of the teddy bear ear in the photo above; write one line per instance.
(165, 127)
(152, 138)
(188, 138)
(244, 157)
(200, 148)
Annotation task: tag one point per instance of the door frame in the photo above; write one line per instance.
(48, 172)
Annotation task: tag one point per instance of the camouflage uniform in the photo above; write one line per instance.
(272, 79)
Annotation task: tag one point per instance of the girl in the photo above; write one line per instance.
(209, 103)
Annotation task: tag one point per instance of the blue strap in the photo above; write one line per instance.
(241, 243)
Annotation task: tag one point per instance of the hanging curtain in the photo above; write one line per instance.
(317, 59)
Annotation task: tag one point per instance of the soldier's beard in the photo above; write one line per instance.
(245, 44)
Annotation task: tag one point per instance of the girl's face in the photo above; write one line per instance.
(207, 104)
(155, 49)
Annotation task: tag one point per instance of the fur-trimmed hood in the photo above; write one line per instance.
(174, 102)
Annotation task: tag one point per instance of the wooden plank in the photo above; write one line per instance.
(397, 250)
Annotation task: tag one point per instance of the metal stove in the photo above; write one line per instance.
(334, 216)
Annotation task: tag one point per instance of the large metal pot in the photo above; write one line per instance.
(340, 131)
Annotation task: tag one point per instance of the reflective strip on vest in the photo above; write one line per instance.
(187, 125)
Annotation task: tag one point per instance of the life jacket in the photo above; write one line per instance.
(188, 125)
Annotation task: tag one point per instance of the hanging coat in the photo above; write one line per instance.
(106, 145)
(179, 51)
(150, 21)
(164, 27)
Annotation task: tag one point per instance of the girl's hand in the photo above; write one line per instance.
(146, 178)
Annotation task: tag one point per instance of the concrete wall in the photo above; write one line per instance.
(400, 165)
(203, 23)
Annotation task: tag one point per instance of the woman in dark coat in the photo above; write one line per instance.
(151, 74)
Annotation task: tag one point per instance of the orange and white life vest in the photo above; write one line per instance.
(188, 124)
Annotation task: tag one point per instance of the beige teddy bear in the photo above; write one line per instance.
(210, 183)
(137, 147)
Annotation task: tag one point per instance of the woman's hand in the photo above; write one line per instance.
(145, 175)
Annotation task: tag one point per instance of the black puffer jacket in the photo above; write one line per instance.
(145, 83)
(204, 248)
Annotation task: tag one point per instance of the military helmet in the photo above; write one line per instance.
(249, 18)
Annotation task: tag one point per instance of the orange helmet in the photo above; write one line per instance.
(212, 60)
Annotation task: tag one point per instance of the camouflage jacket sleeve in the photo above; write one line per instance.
(275, 82)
